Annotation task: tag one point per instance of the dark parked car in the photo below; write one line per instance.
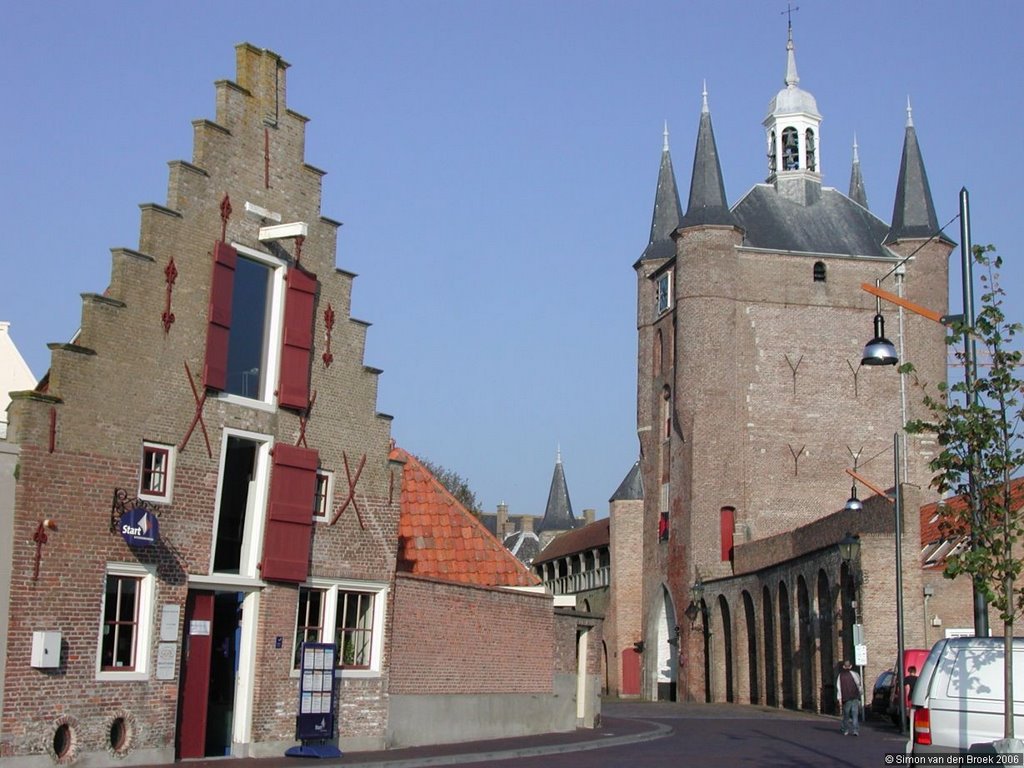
(881, 693)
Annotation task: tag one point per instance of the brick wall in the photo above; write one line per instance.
(460, 639)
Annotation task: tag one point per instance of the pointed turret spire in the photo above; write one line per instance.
(792, 78)
(913, 214)
(707, 204)
(558, 513)
(667, 210)
(857, 192)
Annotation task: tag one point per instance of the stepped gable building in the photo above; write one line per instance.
(202, 483)
(751, 403)
(213, 398)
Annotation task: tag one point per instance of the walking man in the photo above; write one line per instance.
(848, 692)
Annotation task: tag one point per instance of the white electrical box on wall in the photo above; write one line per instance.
(45, 649)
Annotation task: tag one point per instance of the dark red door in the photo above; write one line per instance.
(195, 675)
(630, 672)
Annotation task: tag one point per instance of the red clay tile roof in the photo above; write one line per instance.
(582, 539)
(935, 546)
(440, 538)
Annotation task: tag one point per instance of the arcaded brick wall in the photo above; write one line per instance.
(461, 639)
(124, 380)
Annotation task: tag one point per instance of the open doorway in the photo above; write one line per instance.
(207, 701)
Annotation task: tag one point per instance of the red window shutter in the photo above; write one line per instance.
(297, 344)
(728, 526)
(289, 529)
(218, 329)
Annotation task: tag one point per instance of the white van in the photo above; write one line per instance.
(957, 703)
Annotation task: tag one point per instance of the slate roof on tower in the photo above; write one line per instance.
(831, 224)
(707, 203)
(632, 486)
(558, 512)
(913, 213)
(667, 210)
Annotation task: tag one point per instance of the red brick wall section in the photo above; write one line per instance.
(457, 639)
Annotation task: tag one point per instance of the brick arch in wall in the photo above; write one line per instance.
(826, 643)
(807, 652)
(786, 656)
(771, 689)
(725, 651)
(750, 620)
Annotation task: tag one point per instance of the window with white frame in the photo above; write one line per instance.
(244, 475)
(126, 622)
(254, 337)
(156, 475)
(324, 492)
(664, 292)
(351, 614)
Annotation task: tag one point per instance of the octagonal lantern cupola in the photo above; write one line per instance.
(792, 128)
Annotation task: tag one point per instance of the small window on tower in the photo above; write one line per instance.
(157, 472)
(819, 272)
(664, 297)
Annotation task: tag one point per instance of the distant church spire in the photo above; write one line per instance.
(707, 203)
(558, 512)
(667, 210)
(913, 214)
(857, 192)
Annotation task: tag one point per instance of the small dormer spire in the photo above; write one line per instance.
(857, 191)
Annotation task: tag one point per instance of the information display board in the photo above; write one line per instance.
(314, 721)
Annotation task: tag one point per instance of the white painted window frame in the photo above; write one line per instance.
(274, 331)
(255, 514)
(329, 620)
(144, 636)
(168, 496)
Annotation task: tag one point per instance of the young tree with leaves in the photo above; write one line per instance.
(455, 484)
(977, 422)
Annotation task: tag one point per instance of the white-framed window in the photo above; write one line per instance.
(349, 613)
(126, 622)
(324, 495)
(257, 311)
(241, 503)
(664, 292)
(156, 473)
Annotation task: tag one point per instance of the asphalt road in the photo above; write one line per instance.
(726, 735)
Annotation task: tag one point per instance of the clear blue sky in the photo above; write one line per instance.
(495, 167)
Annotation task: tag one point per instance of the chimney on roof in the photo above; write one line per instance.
(526, 524)
(588, 516)
(502, 524)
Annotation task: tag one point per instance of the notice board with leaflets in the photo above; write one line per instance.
(314, 720)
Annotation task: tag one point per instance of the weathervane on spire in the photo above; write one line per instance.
(789, 12)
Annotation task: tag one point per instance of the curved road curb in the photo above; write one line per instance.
(657, 731)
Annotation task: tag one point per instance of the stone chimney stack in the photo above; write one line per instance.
(526, 524)
(502, 523)
(588, 516)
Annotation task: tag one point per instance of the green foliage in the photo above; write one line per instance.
(978, 426)
(455, 484)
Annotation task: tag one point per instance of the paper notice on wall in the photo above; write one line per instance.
(169, 622)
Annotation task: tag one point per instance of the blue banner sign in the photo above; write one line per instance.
(139, 527)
